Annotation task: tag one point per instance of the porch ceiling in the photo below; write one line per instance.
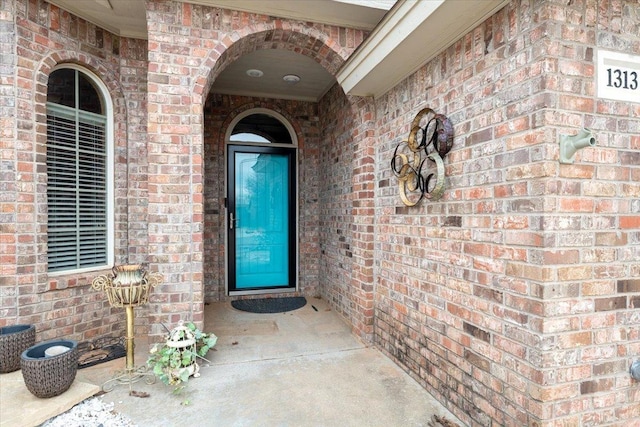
(314, 82)
(127, 18)
(405, 34)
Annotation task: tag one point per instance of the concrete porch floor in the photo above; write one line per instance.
(300, 368)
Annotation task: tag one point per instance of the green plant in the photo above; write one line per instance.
(174, 360)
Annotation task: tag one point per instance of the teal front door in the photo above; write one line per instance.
(261, 218)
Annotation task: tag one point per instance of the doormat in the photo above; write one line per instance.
(100, 351)
(269, 305)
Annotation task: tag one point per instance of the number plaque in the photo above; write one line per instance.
(618, 76)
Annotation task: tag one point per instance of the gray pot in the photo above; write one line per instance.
(13, 341)
(49, 376)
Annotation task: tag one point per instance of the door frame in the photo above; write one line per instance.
(295, 198)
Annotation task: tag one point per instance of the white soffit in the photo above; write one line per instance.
(411, 34)
(126, 18)
(360, 14)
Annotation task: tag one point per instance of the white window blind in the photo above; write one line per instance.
(76, 188)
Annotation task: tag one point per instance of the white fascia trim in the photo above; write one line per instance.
(393, 30)
(411, 34)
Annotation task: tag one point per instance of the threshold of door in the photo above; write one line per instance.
(263, 291)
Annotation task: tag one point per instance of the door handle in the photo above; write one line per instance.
(232, 221)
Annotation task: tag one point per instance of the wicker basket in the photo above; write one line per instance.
(13, 341)
(49, 376)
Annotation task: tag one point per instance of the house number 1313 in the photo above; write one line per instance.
(622, 79)
(618, 76)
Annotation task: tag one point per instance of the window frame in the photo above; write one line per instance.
(267, 112)
(107, 104)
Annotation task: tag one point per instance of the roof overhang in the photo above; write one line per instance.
(127, 18)
(361, 14)
(410, 34)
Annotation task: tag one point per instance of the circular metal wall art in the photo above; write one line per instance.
(418, 162)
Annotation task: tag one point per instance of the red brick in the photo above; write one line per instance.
(630, 221)
(575, 205)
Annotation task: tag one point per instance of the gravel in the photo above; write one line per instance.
(92, 412)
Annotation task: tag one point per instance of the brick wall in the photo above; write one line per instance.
(42, 37)
(336, 216)
(346, 207)
(514, 299)
(8, 165)
(363, 184)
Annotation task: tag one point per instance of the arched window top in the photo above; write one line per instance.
(261, 126)
(73, 88)
(79, 160)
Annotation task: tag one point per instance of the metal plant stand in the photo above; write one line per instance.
(128, 286)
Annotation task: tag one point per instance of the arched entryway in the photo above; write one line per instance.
(333, 232)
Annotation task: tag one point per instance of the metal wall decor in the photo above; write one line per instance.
(415, 159)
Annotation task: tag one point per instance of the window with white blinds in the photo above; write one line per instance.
(77, 185)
